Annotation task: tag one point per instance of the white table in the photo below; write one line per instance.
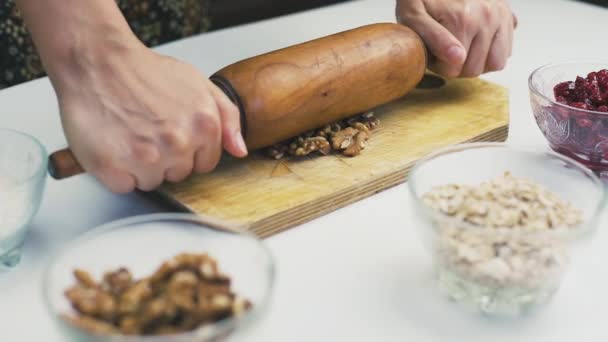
(345, 276)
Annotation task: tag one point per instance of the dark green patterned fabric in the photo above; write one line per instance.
(153, 21)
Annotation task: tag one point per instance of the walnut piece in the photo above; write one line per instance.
(94, 326)
(314, 144)
(350, 140)
(117, 281)
(348, 137)
(84, 279)
(184, 293)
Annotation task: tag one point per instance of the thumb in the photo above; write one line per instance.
(230, 117)
(442, 44)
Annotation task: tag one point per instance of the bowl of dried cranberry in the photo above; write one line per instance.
(570, 104)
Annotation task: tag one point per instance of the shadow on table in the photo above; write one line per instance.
(412, 295)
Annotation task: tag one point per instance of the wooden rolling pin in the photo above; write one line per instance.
(286, 92)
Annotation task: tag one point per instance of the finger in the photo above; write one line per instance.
(478, 54)
(148, 182)
(230, 117)
(181, 170)
(442, 44)
(146, 163)
(499, 50)
(210, 150)
(206, 158)
(177, 145)
(102, 167)
(117, 181)
(148, 178)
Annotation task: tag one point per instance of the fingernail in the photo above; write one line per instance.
(240, 142)
(456, 54)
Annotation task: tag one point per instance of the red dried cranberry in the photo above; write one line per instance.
(560, 113)
(578, 94)
(563, 89)
(590, 93)
(602, 138)
(580, 105)
(593, 93)
(584, 123)
(579, 81)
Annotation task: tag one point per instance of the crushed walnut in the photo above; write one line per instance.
(185, 293)
(348, 137)
(497, 238)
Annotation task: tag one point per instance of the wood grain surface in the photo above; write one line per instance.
(285, 92)
(270, 196)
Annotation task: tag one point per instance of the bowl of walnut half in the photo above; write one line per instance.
(570, 105)
(160, 277)
(502, 223)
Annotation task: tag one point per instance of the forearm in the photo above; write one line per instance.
(69, 34)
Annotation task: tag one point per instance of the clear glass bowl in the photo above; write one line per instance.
(515, 289)
(141, 244)
(23, 163)
(577, 133)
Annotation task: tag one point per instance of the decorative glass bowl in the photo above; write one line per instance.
(577, 133)
(504, 285)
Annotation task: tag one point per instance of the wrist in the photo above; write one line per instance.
(72, 36)
(88, 51)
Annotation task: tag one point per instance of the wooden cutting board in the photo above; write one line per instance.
(269, 196)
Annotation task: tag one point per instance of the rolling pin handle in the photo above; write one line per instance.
(63, 164)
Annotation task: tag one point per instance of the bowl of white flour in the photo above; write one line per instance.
(23, 163)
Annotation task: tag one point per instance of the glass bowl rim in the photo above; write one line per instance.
(41, 170)
(536, 72)
(200, 219)
(560, 232)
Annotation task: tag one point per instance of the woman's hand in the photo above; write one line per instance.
(466, 38)
(134, 118)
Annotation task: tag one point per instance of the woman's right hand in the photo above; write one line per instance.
(134, 118)
(466, 37)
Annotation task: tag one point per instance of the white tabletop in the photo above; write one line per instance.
(357, 274)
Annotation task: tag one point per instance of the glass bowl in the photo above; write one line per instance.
(141, 244)
(577, 133)
(510, 281)
(23, 162)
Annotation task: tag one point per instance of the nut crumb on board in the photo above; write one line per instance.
(183, 294)
(348, 137)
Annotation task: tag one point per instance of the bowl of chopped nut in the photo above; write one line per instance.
(160, 277)
(502, 222)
